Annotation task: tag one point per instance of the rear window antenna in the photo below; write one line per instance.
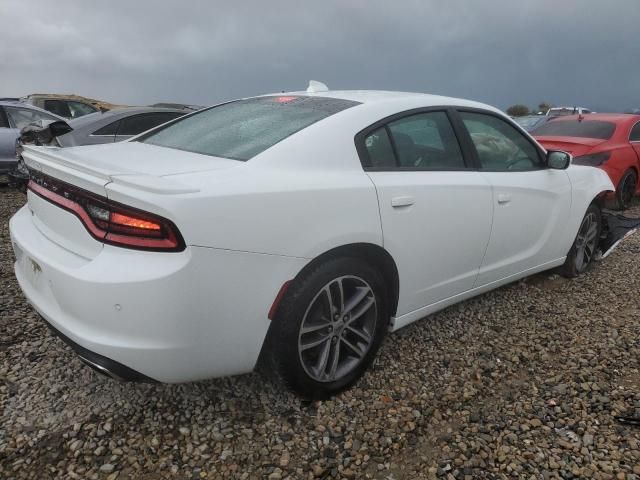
(315, 87)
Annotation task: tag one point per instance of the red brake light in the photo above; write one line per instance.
(110, 222)
(593, 160)
(285, 99)
(126, 220)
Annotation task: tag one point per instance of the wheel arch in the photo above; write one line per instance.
(370, 253)
(374, 255)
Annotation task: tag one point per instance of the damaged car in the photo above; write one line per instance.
(14, 116)
(102, 127)
(292, 232)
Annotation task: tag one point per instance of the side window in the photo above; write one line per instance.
(136, 124)
(426, 141)
(4, 121)
(379, 149)
(499, 145)
(78, 109)
(109, 129)
(635, 133)
(59, 107)
(21, 117)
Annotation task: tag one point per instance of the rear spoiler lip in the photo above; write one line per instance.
(34, 156)
(53, 157)
(153, 184)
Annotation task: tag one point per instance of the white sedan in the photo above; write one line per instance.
(291, 231)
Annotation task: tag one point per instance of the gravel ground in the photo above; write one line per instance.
(523, 382)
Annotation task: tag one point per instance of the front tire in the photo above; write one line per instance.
(329, 327)
(582, 253)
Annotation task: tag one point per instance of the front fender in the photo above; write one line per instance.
(587, 185)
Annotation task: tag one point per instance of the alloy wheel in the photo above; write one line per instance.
(338, 329)
(586, 241)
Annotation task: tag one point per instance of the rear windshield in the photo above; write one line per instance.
(242, 129)
(576, 128)
(528, 122)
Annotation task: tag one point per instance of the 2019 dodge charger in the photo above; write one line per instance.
(297, 228)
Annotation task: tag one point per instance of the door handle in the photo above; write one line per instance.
(504, 198)
(404, 201)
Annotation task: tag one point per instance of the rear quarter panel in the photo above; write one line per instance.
(623, 158)
(274, 211)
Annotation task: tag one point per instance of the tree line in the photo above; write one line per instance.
(519, 110)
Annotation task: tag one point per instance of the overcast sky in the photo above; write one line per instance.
(573, 52)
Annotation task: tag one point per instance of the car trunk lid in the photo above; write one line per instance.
(574, 145)
(140, 166)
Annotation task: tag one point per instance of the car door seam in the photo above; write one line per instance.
(375, 189)
(493, 217)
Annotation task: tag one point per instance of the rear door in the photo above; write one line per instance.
(436, 212)
(531, 202)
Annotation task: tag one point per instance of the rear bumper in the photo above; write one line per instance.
(171, 317)
(100, 363)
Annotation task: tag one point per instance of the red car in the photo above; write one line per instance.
(610, 141)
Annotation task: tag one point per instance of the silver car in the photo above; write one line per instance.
(14, 116)
(116, 125)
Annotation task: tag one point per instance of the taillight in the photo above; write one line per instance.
(110, 222)
(594, 160)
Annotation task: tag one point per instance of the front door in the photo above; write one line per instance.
(531, 202)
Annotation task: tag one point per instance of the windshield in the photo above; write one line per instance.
(242, 129)
(576, 128)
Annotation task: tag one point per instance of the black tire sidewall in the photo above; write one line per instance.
(620, 191)
(291, 313)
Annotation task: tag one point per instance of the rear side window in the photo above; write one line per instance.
(21, 117)
(242, 129)
(423, 141)
(576, 128)
(426, 141)
(379, 149)
(108, 130)
(78, 109)
(635, 133)
(137, 124)
(59, 107)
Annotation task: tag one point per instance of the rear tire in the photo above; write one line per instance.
(580, 257)
(626, 189)
(329, 327)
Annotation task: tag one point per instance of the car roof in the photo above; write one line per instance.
(382, 96)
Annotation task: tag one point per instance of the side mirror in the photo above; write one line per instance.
(558, 160)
